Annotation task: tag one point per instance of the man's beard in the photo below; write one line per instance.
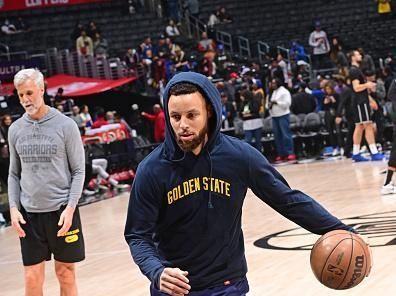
(194, 143)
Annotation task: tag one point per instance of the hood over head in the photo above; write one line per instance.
(212, 96)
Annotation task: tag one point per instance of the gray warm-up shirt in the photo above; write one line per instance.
(47, 163)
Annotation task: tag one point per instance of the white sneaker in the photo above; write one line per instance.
(87, 192)
(388, 189)
(336, 152)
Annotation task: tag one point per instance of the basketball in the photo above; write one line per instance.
(340, 259)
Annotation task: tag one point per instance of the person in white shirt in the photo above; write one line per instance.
(279, 108)
(171, 29)
(321, 46)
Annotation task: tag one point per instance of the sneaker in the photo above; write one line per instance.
(121, 186)
(335, 152)
(377, 156)
(279, 159)
(292, 158)
(359, 158)
(87, 192)
(388, 189)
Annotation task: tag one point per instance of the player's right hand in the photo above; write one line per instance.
(16, 219)
(174, 282)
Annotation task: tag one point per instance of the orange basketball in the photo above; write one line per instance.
(340, 259)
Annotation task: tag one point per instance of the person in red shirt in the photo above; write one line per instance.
(100, 119)
(159, 122)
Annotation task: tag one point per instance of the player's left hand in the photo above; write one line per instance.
(65, 220)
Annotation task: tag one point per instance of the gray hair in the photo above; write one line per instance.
(29, 74)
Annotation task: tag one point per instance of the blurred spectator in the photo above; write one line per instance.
(132, 59)
(282, 63)
(162, 48)
(223, 16)
(367, 63)
(206, 43)
(388, 77)
(78, 119)
(59, 98)
(100, 118)
(109, 117)
(21, 25)
(171, 29)
(252, 122)
(159, 122)
(213, 19)
(179, 59)
(159, 71)
(5, 123)
(330, 103)
(302, 102)
(320, 44)
(86, 117)
(100, 46)
(124, 126)
(297, 52)
(135, 120)
(77, 31)
(207, 66)
(279, 108)
(193, 7)
(276, 71)
(8, 28)
(60, 108)
(173, 10)
(228, 111)
(257, 89)
(92, 29)
(337, 56)
(84, 44)
(146, 46)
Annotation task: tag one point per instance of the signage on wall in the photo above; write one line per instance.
(6, 5)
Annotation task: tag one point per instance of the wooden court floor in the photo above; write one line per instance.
(279, 267)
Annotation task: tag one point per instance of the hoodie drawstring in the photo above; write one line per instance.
(210, 205)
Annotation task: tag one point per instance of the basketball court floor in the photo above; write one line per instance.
(277, 250)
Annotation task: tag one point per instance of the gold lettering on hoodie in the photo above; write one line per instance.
(191, 186)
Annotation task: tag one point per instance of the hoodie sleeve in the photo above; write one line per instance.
(76, 158)
(272, 188)
(14, 174)
(142, 216)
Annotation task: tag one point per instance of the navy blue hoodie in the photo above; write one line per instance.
(185, 209)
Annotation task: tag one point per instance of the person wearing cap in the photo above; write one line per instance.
(320, 45)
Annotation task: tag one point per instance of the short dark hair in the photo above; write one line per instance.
(184, 88)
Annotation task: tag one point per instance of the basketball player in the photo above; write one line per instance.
(363, 123)
(45, 181)
(184, 218)
(388, 187)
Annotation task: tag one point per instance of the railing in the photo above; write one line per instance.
(244, 47)
(263, 50)
(19, 55)
(195, 26)
(285, 52)
(7, 50)
(226, 39)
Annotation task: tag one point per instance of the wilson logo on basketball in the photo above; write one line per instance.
(357, 273)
